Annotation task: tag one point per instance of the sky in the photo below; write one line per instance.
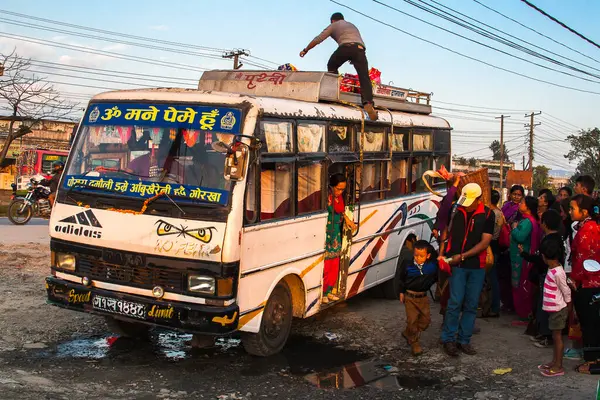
(466, 92)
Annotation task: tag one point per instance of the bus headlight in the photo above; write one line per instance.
(201, 284)
(65, 261)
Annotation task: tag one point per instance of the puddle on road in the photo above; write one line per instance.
(324, 364)
(367, 373)
(172, 346)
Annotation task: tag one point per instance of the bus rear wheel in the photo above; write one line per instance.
(275, 326)
(134, 330)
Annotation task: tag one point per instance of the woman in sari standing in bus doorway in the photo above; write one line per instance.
(336, 216)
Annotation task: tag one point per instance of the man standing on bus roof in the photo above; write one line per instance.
(351, 48)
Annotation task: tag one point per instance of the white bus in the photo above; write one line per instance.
(205, 210)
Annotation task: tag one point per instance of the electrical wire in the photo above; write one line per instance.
(535, 31)
(505, 33)
(560, 23)
(113, 33)
(498, 110)
(103, 52)
(462, 54)
(492, 47)
(119, 34)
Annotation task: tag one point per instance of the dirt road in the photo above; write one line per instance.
(50, 353)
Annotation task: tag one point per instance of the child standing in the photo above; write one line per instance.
(417, 275)
(557, 302)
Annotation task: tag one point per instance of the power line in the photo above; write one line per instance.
(145, 79)
(107, 32)
(505, 33)
(103, 52)
(94, 79)
(492, 47)
(120, 34)
(488, 147)
(70, 67)
(483, 108)
(118, 41)
(551, 116)
(471, 119)
(533, 30)
(462, 54)
(560, 23)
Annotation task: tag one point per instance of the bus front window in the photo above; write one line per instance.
(145, 159)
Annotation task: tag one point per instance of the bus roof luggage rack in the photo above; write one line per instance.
(310, 86)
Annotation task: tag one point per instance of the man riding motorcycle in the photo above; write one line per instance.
(57, 169)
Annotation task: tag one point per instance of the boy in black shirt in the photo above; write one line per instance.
(416, 278)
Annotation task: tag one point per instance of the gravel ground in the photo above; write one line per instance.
(50, 353)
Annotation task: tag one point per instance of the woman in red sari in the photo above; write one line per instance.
(333, 236)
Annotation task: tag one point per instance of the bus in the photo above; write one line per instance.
(211, 217)
(33, 162)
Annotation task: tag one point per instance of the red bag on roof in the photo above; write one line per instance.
(350, 83)
(375, 76)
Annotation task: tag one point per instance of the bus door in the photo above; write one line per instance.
(347, 165)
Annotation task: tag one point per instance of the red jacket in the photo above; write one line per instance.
(586, 246)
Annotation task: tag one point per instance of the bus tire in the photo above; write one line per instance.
(135, 330)
(275, 325)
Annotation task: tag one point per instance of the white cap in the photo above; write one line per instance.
(469, 193)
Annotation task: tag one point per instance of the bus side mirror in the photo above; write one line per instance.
(236, 158)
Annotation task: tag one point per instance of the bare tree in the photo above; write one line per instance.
(30, 99)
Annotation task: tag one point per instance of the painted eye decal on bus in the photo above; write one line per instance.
(166, 229)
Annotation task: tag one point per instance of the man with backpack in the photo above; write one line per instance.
(464, 246)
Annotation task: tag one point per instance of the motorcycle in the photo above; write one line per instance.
(35, 203)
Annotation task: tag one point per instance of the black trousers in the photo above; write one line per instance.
(589, 318)
(356, 54)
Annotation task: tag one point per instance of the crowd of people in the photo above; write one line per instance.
(534, 258)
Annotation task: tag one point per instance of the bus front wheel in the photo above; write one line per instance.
(275, 326)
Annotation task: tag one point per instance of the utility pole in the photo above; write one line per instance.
(502, 147)
(235, 54)
(531, 125)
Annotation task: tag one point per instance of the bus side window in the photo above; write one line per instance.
(399, 178)
(310, 184)
(420, 164)
(275, 190)
(371, 181)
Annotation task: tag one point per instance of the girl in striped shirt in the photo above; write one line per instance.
(557, 302)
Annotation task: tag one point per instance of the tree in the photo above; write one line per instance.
(541, 180)
(29, 99)
(472, 162)
(585, 149)
(495, 148)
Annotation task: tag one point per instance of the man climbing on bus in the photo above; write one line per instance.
(351, 48)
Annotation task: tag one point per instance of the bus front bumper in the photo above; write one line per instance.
(187, 317)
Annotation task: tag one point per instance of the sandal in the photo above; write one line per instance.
(583, 368)
(552, 372)
(544, 366)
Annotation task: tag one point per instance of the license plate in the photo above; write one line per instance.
(117, 306)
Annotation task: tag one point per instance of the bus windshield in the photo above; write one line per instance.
(141, 150)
